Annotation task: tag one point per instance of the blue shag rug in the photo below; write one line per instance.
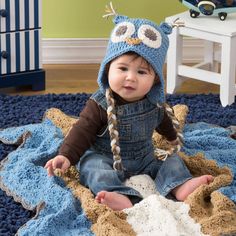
(22, 110)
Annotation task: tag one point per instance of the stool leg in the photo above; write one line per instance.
(209, 54)
(174, 59)
(227, 86)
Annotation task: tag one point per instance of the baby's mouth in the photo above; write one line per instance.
(129, 88)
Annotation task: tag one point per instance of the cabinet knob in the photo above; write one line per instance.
(3, 12)
(4, 54)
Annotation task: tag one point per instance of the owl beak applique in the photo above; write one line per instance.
(133, 41)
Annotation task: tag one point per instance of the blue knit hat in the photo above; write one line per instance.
(143, 37)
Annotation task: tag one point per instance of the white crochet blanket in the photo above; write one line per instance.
(174, 217)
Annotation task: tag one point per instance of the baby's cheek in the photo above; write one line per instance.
(114, 84)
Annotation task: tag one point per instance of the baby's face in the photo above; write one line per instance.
(130, 77)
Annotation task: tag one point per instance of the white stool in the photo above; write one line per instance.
(212, 30)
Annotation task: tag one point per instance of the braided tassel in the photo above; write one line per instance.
(162, 154)
(114, 134)
(170, 113)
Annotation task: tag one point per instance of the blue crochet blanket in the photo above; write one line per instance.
(15, 112)
(58, 213)
(22, 176)
(216, 144)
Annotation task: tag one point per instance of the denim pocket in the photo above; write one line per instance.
(139, 128)
(125, 132)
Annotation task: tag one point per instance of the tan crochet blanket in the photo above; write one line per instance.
(214, 211)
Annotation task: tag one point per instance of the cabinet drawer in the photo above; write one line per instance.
(20, 51)
(19, 15)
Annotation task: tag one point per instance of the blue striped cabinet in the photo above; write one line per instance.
(20, 44)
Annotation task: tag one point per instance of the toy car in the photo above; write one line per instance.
(210, 7)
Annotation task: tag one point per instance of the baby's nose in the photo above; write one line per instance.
(131, 76)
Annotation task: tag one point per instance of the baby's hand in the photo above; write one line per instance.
(174, 142)
(58, 162)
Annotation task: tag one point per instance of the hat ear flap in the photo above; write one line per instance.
(156, 94)
(166, 28)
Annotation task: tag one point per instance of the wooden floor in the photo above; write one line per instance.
(82, 78)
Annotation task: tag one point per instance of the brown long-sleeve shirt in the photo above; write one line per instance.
(92, 121)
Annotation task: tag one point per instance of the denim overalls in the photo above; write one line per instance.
(136, 123)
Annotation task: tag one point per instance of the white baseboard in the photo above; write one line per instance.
(82, 51)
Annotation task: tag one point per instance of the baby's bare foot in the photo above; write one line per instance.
(115, 201)
(181, 192)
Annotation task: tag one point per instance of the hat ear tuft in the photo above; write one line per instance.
(166, 28)
(119, 18)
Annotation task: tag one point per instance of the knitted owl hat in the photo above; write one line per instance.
(143, 37)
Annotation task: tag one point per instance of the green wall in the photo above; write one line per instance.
(83, 18)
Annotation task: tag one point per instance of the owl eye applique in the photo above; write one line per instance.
(122, 31)
(150, 36)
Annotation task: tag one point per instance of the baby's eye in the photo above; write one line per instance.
(123, 68)
(122, 31)
(150, 36)
(142, 72)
